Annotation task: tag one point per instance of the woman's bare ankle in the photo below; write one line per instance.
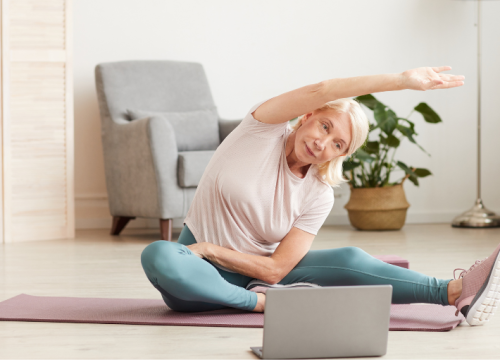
(261, 303)
(454, 290)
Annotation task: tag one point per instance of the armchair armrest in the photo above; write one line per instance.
(165, 158)
(138, 154)
(226, 126)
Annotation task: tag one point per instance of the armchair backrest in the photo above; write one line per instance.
(162, 86)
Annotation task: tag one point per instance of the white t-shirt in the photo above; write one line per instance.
(248, 199)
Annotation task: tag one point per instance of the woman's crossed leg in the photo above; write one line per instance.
(188, 283)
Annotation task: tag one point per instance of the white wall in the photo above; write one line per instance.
(256, 49)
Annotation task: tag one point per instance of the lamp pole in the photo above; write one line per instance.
(478, 216)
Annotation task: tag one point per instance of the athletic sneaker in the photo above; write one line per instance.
(480, 289)
(260, 286)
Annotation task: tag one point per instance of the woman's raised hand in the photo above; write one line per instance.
(429, 78)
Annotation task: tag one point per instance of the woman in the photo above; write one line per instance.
(267, 191)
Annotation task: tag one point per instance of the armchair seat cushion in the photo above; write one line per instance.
(191, 166)
(194, 130)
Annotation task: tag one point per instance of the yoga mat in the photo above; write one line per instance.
(415, 317)
(394, 260)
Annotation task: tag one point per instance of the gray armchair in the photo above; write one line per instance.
(160, 128)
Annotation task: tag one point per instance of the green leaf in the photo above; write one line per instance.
(379, 113)
(386, 118)
(368, 100)
(390, 124)
(363, 156)
(429, 115)
(412, 125)
(413, 180)
(422, 172)
(393, 141)
(409, 132)
(349, 165)
(372, 147)
(407, 170)
(405, 167)
(390, 140)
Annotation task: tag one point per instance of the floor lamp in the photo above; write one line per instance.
(478, 216)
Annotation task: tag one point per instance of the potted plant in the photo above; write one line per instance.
(376, 203)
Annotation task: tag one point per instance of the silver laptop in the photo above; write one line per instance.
(333, 321)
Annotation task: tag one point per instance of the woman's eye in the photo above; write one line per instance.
(338, 146)
(325, 127)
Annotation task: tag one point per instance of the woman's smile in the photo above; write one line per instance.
(309, 151)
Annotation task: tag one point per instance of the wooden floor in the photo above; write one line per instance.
(96, 264)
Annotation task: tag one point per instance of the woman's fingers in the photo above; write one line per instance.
(427, 78)
(447, 85)
(450, 77)
(441, 68)
(449, 81)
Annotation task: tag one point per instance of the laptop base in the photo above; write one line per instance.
(257, 350)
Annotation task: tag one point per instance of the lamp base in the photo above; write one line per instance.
(477, 217)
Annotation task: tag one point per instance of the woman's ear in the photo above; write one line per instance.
(305, 117)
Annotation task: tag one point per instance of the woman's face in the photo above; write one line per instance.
(323, 136)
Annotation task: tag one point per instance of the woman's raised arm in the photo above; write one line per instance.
(306, 99)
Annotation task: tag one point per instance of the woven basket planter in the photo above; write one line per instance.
(382, 208)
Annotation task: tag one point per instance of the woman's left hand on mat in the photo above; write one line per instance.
(429, 78)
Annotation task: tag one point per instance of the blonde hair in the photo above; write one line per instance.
(331, 171)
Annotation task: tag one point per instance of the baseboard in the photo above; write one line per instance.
(432, 217)
(92, 212)
(105, 223)
(333, 219)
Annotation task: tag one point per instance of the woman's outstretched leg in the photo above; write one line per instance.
(188, 283)
(353, 266)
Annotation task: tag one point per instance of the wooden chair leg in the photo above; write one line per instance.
(166, 229)
(119, 223)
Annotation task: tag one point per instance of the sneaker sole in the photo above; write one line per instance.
(487, 298)
(276, 286)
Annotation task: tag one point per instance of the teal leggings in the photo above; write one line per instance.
(189, 283)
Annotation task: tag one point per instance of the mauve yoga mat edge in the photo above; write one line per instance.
(95, 311)
(131, 323)
(128, 322)
(444, 329)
